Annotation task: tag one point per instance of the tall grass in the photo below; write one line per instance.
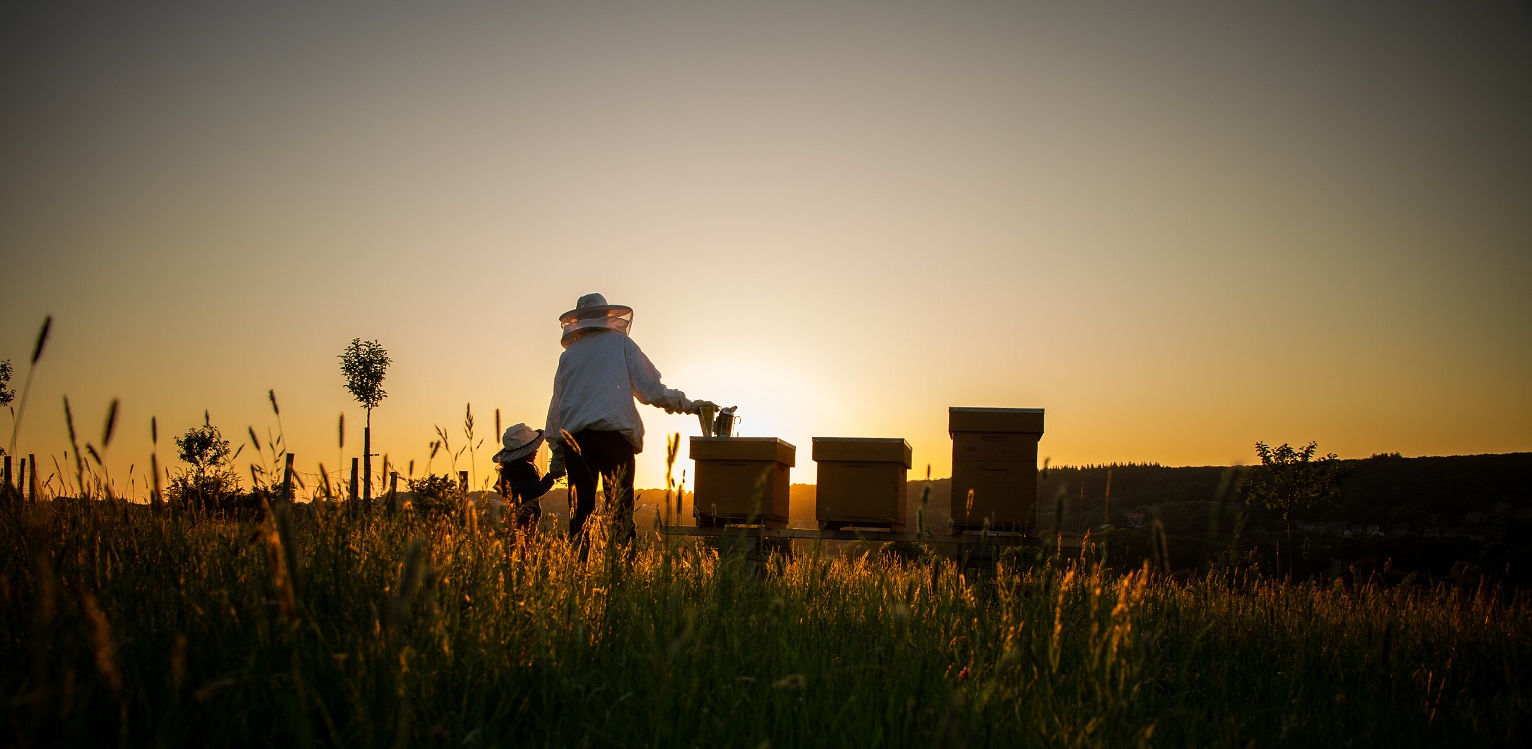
(318, 628)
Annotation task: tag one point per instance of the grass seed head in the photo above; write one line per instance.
(111, 425)
(42, 339)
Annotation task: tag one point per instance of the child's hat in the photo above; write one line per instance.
(518, 442)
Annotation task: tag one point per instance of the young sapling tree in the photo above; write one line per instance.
(1289, 480)
(364, 364)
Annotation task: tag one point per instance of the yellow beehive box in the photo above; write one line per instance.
(741, 480)
(994, 466)
(861, 481)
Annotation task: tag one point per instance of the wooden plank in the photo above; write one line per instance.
(876, 536)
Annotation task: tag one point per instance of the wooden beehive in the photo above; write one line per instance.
(861, 481)
(994, 458)
(741, 480)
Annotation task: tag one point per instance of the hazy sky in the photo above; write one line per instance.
(1180, 227)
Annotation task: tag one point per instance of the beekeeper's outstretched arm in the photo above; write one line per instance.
(649, 390)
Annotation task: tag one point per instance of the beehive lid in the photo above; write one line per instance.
(743, 448)
(863, 449)
(1022, 420)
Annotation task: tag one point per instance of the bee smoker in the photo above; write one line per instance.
(723, 426)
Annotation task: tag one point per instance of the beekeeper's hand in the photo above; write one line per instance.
(685, 405)
(697, 406)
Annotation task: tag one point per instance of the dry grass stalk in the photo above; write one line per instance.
(103, 644)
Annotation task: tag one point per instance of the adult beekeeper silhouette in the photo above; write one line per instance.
(593, 427)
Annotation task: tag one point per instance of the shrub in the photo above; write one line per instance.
(209, 492)
(435, 495)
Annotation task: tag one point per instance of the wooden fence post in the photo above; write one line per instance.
(287, 480)
(352, 496)
(32, 486)
(367, 502)
(21, 480)
(7, 477)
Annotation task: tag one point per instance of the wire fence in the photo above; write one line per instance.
(29, 478)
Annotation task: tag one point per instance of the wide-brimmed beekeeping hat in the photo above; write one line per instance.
(518, 442)
(592, 312)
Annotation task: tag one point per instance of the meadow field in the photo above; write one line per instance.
(314, 626)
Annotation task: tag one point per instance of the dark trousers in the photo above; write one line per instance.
(608, 456)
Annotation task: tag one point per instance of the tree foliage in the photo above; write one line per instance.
(364, 364)
(204, 449)
(1290, 479)
(6, 393)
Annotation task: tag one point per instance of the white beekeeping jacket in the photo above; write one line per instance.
(600, 374)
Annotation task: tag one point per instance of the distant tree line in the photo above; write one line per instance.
(1383, 489)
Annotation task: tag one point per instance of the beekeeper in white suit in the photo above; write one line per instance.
(601, 372)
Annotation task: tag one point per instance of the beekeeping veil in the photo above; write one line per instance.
(593, 313)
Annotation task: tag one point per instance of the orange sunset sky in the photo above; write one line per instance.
(1180, 227)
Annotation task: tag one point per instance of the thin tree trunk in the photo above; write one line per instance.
(1290, 547)
(367, 459)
